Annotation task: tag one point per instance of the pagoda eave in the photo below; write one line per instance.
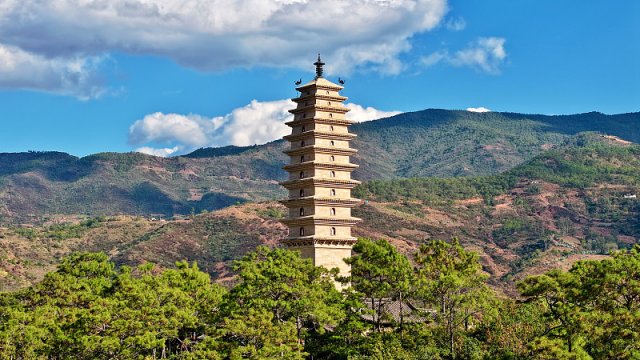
(326, 85)
(315, 220)
(320, 135)
(321, 97)
(320, 165)
(345, 242)
(321, 150)
(318, 120)
(312, 201)
(322, 182)
(312, 107)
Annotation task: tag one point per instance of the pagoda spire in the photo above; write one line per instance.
(318, 65)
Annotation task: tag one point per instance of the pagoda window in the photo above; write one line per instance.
(330, 115)
(333, 174)
(302, 143)
(301, 174)
(302, 158)
(303, 129)
(333, 211)
(333, 192)
(329, 103)
(331, 127)
(333, 231)
(304, 115)
(333, 158)
(301, 231)
(301, 192)
(301, 211)
(327, 92)
(332, 143)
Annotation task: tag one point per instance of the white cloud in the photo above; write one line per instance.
(484, 54)
(73, 75)
(360, 113)
(222, 34)
(435, 58)
(480, 109)
(164, 152)
(190, 130)
(256, 123)
(457, 24)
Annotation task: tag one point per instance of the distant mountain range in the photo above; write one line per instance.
(442, 143)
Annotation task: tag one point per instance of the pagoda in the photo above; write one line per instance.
(320, 183)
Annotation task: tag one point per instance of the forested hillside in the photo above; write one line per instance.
(572, 203)
(578, 201)
(442, 143)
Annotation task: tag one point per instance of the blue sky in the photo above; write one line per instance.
(166, 77)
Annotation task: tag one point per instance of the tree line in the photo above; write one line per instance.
(434, 304)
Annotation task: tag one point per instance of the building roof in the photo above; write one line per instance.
(392, 310)
(321, 83)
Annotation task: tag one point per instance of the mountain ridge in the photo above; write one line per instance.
(567, 204)
(431, 142)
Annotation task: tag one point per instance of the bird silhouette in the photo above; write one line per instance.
(299, 82)
(341, 81)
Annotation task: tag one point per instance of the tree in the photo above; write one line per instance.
(508, 331)
(254, 334)
(594, 308)
(380, 274)
(450, 279)
(89, 309)
(290, 288)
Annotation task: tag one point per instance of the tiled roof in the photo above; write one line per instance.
(393, 310)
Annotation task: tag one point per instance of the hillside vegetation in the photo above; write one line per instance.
(443, 143)
(571, 203)
(434, 304)
(575, 202)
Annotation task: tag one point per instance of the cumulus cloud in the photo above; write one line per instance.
(485, 54)
(191, 130)
(360, 113)
(220, 34)
(256, 123)
(480, 109)
(73, 75)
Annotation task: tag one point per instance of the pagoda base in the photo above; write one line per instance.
(327, 256)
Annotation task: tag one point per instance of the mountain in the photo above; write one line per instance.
(577, 201)
(442, 143)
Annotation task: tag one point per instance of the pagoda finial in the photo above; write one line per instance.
(318, 65)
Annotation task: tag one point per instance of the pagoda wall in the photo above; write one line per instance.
(324, 211)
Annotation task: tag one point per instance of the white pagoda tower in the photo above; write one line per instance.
(320, 183)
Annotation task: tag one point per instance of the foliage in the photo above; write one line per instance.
(451, 281)
(569, 166)
(290, 289)
(592, 310)
(284, 307)
(436, 190)
(60, 231)
(379, 274)
(88, 309)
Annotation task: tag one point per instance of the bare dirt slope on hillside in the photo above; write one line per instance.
(520, 234)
